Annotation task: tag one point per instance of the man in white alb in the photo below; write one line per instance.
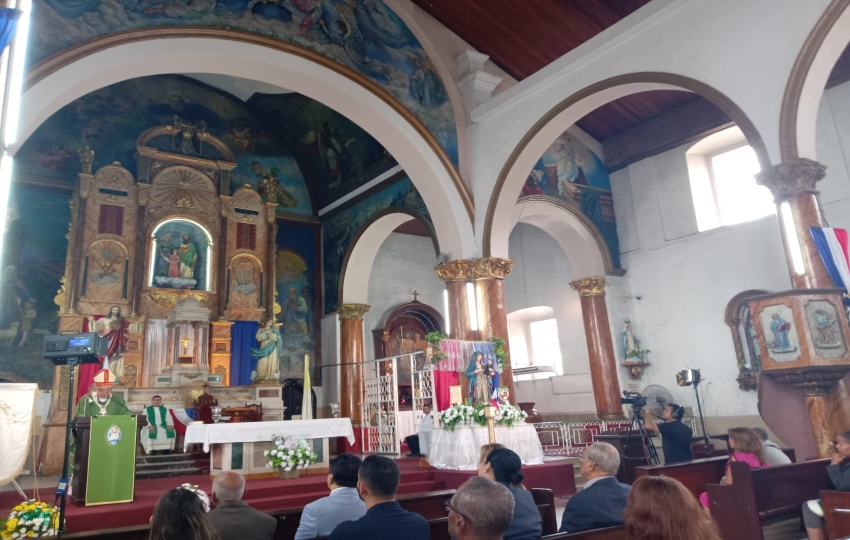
(160, 430)
(420, 444)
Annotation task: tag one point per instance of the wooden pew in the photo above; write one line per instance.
(759, 495)
(695, 475)
(545, 501)
(608, 533)
(836, 513)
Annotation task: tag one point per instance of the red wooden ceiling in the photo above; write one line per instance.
(522, 37)
(630, 111)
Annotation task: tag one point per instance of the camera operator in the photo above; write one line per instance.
(675, 436)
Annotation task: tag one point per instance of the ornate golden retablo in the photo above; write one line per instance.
(474, 269)
(352, 311)
(169, 299)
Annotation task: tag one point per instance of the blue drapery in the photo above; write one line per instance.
(8, 25)
(243, 339)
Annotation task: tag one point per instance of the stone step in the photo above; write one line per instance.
(166, 473)
(170, 465)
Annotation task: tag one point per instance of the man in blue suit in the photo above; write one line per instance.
(602, 500)
(385, 519)
(320, 517)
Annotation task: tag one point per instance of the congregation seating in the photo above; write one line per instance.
(836, 513)
(758, 496)
(608, 533)
(695, 475)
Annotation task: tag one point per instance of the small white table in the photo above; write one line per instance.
(239, 447)
(460, 449)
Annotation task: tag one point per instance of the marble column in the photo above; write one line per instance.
(140, 251)
(351, 375)
(487, 276)
(794, 183)
(600, 347)
(270, 270)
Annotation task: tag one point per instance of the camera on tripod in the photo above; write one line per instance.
(635, 399)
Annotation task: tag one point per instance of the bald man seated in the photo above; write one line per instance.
(234, 519)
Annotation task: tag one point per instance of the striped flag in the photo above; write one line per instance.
(307, 398)
(832, 246)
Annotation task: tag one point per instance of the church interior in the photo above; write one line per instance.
(255, 203)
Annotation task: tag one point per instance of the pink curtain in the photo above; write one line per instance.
(442, 381)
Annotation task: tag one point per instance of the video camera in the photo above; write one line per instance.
(633, 398)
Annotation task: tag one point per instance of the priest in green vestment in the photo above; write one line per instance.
(100, 402)
(160, 430)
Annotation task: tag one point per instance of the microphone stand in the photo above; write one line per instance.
(64, 484)
(701, 418)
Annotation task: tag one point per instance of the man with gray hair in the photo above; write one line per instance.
(481, 509)
(234, 519)
(772, 454)
(602, 500)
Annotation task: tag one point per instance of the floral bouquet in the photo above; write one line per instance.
(508, 415)
(287, 457)
(462, 414)
(30, 519)
(200, 493)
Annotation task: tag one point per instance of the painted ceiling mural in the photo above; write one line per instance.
(572, 172)
(335, 154)
(364, 35)
(339, 230)
(110, 120)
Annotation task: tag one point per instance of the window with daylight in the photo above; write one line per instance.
(534, 341)
(722, 169)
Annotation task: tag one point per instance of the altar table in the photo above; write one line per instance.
(460, 449)
(239, 447)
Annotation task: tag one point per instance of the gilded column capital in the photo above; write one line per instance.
(473, 269)
(800, 176)
(352, 311)
(592, 286)
(271, 215)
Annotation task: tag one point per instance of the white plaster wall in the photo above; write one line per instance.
(404, 263)
(540, 277)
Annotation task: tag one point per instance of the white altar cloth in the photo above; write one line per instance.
(264, 431)
(460, 449)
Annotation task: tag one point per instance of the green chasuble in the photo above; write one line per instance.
(87, 405)
(155, 426)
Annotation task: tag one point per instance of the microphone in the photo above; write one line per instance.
(234, 397)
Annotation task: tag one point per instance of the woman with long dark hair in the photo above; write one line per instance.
(179, 515)
(839, 473)
(661, 508)
(504, 466)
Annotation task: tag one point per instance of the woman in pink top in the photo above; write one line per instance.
(744, 445)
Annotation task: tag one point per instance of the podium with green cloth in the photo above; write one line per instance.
(105, 459)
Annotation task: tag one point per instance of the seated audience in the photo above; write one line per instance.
(234, 519)
(319, 518)
(385, 519)
(180, 515)
(661, 508)
(744, 445)
(772, 454)
(420, 444)
(839, 473)
(504, 466)
(480, 510)
(602, 500)
(675, 435)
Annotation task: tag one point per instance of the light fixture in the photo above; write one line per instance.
(446, 311)
(692, 377)
(17, 53)
(471, 306)
(791, 238)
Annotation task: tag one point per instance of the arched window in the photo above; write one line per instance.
(181, 256)
(747, 353)
(535, 343)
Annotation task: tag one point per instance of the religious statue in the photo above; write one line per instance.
(630, 343)
(115, 329)
(175, 264)
(188, 258)
(780, 328)
(244, 277)
(480, 373)
(271, 343)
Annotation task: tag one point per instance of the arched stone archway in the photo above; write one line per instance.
(357, 266)
(807, 82)
(497, 225)
(93, 65)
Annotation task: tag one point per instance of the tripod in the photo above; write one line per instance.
(62, 489)
(701, 419)
(650, 454)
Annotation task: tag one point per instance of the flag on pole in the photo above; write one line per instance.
(832, 246)
(307, 398)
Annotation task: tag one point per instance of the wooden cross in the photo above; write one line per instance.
(185, 341)
(415, 296)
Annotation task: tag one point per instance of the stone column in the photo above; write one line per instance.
(487, 276)
(270, 270)
(351, 360)
(141, 252)
(222, 260)
(600, 347)
(79, 229)
(794, 183)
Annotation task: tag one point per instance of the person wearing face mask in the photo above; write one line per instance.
(839, 473)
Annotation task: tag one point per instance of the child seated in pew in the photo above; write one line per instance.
(661, 508)
(839, 473)
(744, 445)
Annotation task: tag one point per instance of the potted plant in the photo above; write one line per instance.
(434, 353)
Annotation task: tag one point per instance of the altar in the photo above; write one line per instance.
(459, 449)
(239, 447)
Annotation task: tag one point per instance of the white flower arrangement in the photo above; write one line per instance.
(462, 414)
(508, 415)
(200, 493)
(30, 519)
(287, 456)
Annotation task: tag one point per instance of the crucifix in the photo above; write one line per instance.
(185, 341)
(415, 296)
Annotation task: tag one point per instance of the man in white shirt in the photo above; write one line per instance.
(159, 435)
(321, 517)
(420, 444)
